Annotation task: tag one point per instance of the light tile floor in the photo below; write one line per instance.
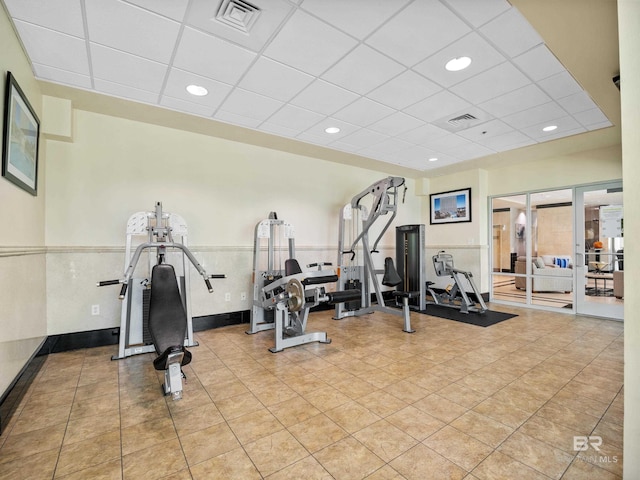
(450, 401)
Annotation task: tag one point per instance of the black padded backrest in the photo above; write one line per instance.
(291, 267)
(167, 318)
(390, 277)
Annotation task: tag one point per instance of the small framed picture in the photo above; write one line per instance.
(21, 139)
(450, 207)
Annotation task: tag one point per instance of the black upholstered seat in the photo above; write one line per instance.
(167, 317)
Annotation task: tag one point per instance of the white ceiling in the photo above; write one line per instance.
(373, 68)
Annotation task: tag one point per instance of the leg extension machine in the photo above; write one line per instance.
(292, 296)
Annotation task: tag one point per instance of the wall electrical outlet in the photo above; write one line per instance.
(95, 309)
(227, 297)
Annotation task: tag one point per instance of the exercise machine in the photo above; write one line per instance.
(355, 261)
(292, 296)
(410, 263)
(273, 244)
(283, 294)
(155, 314)
(455, 296)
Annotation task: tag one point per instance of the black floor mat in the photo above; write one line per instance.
(485, 319)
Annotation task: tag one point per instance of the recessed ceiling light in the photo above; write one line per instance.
(332, 129)
(457, 64)
(549, 128)
(433, 159)
(197, 90)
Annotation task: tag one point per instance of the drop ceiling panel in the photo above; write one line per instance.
(62, 76)
(479, 12)
(499, 80)
(355, 17)
(235, 119)
(512, 33)
(186, 107)
(560, 85)
(237, 23)
(516, 101)
(317, 132)
(295, 118)
(470, 151)
(483, 57)
(174, 9)
(275, 80)
(363, 138)
(415, 25)
(539, 114)
(591, 117)
(363, 112)
(250, 105)
(388, 146)
(125, 69)
(447, 143)
(512, 139)
(212, 57)
(578, 102)
(125, 91)
(324, 97)
(481, 132)
(423, 134)
(566, 126)
(396, 123)
(140, 32)
(175, 88)
(404, 90)
(64, 16)
(362, 70)
(309, 44)
(55, 49)
(437, 106)
(538, 63)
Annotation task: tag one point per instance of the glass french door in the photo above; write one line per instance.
(599, 250)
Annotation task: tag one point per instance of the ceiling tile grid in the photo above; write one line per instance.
(374, 70)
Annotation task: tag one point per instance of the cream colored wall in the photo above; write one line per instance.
(22, 260)
(629, 31)
(113, 167)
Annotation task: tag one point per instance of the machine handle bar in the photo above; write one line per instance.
(123, 291)
(218, 275)
(104, 283)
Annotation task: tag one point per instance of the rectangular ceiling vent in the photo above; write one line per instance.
(462, 120)
(238, 14)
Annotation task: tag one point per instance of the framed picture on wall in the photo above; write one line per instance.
(20, 139)
(450, 207)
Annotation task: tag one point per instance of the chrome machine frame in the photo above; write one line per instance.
(356, 215)
(162, 229)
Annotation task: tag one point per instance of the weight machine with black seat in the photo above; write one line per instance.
(281, 299)
(269, 253)
(356, 220)
(455, 296)
(155, 314)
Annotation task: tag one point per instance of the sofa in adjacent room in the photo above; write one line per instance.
(550, 273)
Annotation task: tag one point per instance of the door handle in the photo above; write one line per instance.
(579, 259)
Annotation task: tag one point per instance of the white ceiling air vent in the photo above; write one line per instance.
(238, 14)
(462, 121)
